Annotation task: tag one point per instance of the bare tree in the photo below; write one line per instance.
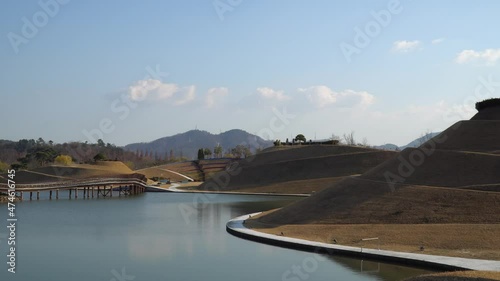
(336, 138)
(349, 138)
(365, 142)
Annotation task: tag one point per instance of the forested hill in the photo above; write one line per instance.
(186, 145)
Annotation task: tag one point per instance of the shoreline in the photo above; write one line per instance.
(174, 188)
(237, 228)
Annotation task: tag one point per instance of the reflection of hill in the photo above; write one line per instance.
(380, 271)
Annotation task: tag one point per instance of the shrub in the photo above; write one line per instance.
(3, 167)
(63, 160)
(100, 157)
(487, 103)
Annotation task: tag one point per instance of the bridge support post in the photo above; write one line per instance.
(111, 191)
(98, 190)
(84, 192)
(31, 195)
(38, 195)
(92, 192)
(57, 193)
(76, 193)
(50, 194)
(70, 193)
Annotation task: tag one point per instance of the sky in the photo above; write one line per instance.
(135, 71)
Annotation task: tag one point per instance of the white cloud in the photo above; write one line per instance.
(322, 96)
(366, 99)
(271, 94)
(214, 94)
(488, 56)
(437, 41)
(155, 90)
(404, 46)
(186, 95)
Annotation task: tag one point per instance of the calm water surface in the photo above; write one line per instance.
(162, 236)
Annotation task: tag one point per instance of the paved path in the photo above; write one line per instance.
(236, 227)
(175, 189)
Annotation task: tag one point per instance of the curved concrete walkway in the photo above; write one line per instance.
(175, 189)
(236, 227)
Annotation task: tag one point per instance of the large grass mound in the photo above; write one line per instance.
(273, 170)
(55, 173)
(438, 168)
(453, 178)
(474, 136)
(359, 201)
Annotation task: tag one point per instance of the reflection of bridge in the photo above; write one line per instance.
(90, 188)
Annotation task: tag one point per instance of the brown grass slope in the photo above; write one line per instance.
(188, 168)
(160, 173)
(458, 276)
(275, 155)
(357, 201)
(441, 168)
(475, 135)
(23, 177)
(210, 167)
(203, 170)
(437, 187)
(268, 170)
(55, 173)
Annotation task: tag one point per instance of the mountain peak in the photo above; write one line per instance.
(189, 142)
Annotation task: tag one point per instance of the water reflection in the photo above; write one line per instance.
(147, 235)
(377, 270)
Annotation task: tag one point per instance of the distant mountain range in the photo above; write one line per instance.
(188, 143)
(415, 143)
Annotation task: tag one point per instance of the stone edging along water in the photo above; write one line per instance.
(236, 227)
(174, 188)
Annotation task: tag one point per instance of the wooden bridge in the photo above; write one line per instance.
(88, 188)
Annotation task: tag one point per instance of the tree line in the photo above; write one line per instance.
(31, 153)
(346, 139)
(239, 151)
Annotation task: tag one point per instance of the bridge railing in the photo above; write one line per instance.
(74, 184)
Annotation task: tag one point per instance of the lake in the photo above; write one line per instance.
(163, 236)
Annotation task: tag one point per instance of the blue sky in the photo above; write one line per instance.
(134, 71)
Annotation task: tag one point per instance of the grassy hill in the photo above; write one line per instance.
(196, 170)
(300, 169)
(444, 185)
(472, 135)
(54, 173)
(449, 185)
(189, 142)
